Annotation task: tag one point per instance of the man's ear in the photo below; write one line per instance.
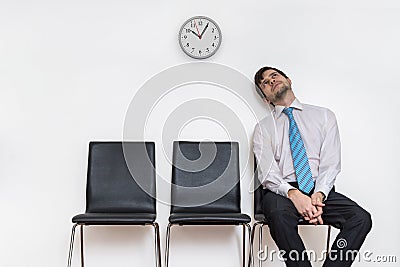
(290, 81)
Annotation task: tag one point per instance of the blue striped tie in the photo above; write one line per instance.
(299, 155)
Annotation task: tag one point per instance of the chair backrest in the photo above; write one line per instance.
(258, 192)
(205, 177)
(112, 186)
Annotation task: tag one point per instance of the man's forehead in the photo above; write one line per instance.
(268, 73)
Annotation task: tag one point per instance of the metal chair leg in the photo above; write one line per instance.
(251, 242)
(82, 258)
(167, 244)
(260, 238)
(244, 246)
(71, 245)
(157, 244)
(246, 225)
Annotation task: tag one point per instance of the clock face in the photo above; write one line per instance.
(200, 37)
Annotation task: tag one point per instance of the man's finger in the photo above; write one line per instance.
(319, 204)
(317, 200)
(314, 210)
(313, 221)
(319, 212)
(310, 213)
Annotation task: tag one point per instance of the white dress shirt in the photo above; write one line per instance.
(320, 134)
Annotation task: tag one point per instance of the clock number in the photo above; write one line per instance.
(184, 37)
(200, 52)
(207, 50)
(187, 30)
(213, 45)
(215, 37)
(187, 44)
(200, 23)
(213, 29)
(193, 49)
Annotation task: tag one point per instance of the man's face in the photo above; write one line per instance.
(274, 85)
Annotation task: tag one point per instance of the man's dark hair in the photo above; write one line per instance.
(259, 74)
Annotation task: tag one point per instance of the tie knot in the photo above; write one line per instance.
(288, 111)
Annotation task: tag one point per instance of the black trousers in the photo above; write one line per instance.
(339, 211)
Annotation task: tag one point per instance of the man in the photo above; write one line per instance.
(300, 181)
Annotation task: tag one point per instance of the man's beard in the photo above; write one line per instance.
(279, 95)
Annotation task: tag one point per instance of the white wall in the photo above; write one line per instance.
(69, 69)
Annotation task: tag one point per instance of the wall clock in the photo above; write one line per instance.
(200, 37)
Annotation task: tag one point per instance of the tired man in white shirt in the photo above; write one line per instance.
(299, 183)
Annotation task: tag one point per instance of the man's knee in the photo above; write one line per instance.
(363, 218)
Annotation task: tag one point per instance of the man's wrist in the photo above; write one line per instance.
(322, 196)
(292, 192)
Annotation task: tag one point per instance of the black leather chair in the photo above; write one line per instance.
(113, 196)
(206, 187)
(260, 219)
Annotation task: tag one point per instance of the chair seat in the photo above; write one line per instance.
(114, 218)
(209, 218)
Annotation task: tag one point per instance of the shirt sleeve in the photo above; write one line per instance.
(330, 156)
(269, 172)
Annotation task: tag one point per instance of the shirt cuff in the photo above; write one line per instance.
(284, 189)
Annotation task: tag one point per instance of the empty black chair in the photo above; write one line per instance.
(205, 187)
(260, 219)
(121, 187)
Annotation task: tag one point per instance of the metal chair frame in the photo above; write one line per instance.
(244, 225)
(71, 245)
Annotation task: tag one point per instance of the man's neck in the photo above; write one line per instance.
(287, 100)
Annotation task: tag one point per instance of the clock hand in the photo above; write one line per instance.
(194, 33)
(205, 28)
(198, 33)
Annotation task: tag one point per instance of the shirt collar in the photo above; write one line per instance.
(296, 104)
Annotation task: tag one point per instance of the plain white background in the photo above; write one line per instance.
(69, 69)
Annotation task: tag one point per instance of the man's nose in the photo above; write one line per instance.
(272, 81)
